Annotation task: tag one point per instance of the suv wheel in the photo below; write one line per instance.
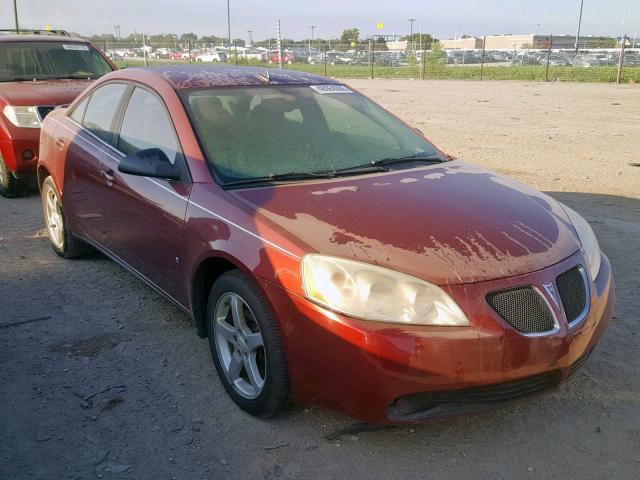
(61, 239)
(246, 346)
(10, 186)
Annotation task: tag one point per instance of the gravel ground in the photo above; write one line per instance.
(103, 378)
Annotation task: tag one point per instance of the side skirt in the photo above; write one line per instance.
(136, 273)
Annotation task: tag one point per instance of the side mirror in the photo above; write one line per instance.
(150, 162)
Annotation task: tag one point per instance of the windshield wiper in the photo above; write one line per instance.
(292, 176)
(279, 177)
(435, 158)
(25, 78)
(78, 77)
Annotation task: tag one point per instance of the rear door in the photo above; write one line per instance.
(145, 216)
(89, 131)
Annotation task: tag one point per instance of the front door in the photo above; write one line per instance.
(145, 216)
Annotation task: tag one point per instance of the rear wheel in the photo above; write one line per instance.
(61, 239)
(246, 346)
(10, 186)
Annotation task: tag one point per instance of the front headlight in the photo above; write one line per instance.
(588, 240)
(373, 293)
(25, 117)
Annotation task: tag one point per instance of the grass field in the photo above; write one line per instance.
(450, 72)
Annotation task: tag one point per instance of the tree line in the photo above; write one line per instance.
(350, 38)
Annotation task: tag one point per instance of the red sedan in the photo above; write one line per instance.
(329, 252)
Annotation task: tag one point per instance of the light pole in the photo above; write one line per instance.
(312, 27)
(411, 20)
(15, 15)
(229, 23)
(579, 24)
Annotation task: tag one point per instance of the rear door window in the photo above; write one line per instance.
(101, 110)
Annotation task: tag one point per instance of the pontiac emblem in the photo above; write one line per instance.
(551, 291)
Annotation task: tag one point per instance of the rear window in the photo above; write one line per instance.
(50, 60)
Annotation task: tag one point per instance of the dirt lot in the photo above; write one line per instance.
(103, 378)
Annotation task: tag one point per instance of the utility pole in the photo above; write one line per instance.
(15, 15)
(312, 27)
(579, 24)
(411, 20)
(421, 47)
(279, 42)
(229, 23)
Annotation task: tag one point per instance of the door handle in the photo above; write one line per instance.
(60, 143)
(109, 176)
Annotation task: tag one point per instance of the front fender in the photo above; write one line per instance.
(6, 147)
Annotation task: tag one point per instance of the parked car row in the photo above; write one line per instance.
(557, 58)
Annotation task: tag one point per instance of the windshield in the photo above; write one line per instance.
(268, 131)
(46, 60)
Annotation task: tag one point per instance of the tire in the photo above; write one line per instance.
(63, 242)
(10, 186)
(272, 396)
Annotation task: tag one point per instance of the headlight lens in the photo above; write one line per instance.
(25, 117)
(374, 293)
(590, 246)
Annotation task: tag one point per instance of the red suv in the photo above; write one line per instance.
(38, 72)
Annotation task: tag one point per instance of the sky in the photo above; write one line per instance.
(440, 18)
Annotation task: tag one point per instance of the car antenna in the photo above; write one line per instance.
(265, 77)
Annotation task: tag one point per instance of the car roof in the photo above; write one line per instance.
(210, 76)
(40, 38)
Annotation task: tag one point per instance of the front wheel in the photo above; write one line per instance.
(246, 346)
(61, 239)
(10, 186)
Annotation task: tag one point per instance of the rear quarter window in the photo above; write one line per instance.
(78, 112)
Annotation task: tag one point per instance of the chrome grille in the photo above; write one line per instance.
(524, 309)
(573, 293)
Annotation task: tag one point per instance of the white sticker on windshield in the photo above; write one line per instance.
(330, 89)
(82, 48)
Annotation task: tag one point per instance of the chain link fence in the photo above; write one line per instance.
(375, 60)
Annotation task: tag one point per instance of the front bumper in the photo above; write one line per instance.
(380, 372)
(13, 151)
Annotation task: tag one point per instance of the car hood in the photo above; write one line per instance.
(42, 92)
(448, 224)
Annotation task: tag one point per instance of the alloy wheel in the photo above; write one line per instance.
(3, 173)
(239, 345)
(55, 223)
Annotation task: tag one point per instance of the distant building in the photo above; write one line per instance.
(513, 42)
(470, 43)
(399, 46)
